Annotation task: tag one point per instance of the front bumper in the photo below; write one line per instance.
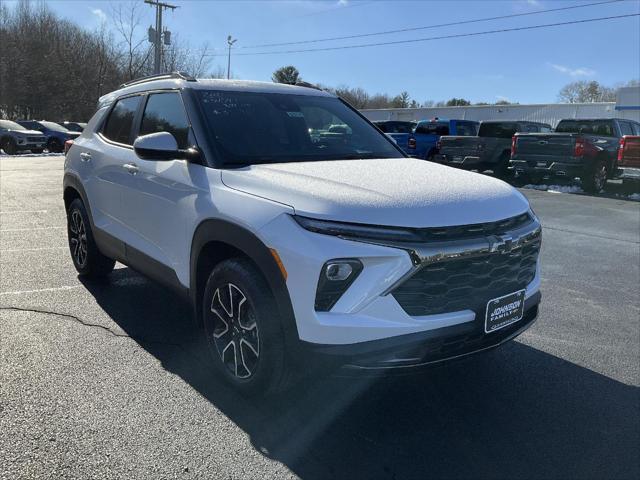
(28, 145)
(425, 348)
(367, 312)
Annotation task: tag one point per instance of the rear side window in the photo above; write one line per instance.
(636, 128)
(432, 129)
(164, 112)
(602, 128)
(497, 130)
(625, 128)
(120, 121)
(466, 129)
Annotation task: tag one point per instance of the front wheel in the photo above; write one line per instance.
(9, 146)
(595, 179)
(86, 256)
(243, 329)
(55, 146)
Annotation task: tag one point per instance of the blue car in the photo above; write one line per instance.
(56, 134)
(423, 142)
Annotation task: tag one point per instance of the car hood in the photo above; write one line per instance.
(397, 192)
(26, 132)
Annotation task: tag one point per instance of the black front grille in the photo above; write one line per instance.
(476, 230)
(467, 283)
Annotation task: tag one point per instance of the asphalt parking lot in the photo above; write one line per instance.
(107, 380)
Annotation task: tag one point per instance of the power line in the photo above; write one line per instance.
(413, 29)
(442, 37)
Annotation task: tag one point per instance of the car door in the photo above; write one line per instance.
(162, 203)
(105, 167)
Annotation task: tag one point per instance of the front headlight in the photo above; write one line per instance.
(358, 231)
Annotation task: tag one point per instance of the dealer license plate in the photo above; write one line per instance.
(503, 311)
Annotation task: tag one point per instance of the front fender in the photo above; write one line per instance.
(216, 230)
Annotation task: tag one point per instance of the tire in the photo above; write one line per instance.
(37, 150)
(595, 179)
(524, 179)
(243, 330)
(501, 169)
(55, 146)
(86, 256)
(9, 146)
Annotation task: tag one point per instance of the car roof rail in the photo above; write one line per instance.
(160, 76)
(302, 83)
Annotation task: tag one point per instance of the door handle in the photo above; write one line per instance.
(85, 157)
(132, 168)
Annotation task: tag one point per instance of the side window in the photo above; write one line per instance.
(164, 112)
(120, 121)
(636, 128)
(545, 129)
(625, 128)
(466, 129)
(529, 128)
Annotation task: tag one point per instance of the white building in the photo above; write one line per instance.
(627, 105)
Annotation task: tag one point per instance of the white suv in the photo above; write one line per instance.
(293, 238)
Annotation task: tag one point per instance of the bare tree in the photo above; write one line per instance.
(586, 92)
(135, 47)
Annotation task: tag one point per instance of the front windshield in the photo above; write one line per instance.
(53, 126)
(253, 128)
(9, 125)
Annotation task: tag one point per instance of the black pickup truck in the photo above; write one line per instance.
(489, 150)
(587, 149)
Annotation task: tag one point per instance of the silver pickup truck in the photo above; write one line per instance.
(489, 150)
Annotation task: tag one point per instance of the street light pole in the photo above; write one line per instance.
(230, 42)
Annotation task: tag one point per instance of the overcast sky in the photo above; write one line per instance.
(523, 66)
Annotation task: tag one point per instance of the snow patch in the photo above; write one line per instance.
(556, 188)
(21, 155)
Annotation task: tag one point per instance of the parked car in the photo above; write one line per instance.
(56, 134)
(584, 148)
(15, 138)
(423, 142)
(629, 159)
(73, 126)
(290, 249)
(489, 150)
(397, 130)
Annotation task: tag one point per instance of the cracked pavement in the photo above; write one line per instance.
(110, 380)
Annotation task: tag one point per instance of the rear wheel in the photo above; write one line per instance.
(501, 169)
(595, 179)
(243, 329)
(84, 252)
(9, 146)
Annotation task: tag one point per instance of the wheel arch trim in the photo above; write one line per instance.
(222, 231)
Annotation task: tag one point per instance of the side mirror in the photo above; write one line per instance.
(157, 146)
(163, 146)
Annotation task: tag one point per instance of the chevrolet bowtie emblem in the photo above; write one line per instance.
(503, 244)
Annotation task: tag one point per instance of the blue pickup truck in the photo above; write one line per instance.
(423, 142)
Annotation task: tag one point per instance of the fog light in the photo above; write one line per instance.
(336, 277)
(338, 271)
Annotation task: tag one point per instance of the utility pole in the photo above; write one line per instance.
(230, 42)
(157, 35)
